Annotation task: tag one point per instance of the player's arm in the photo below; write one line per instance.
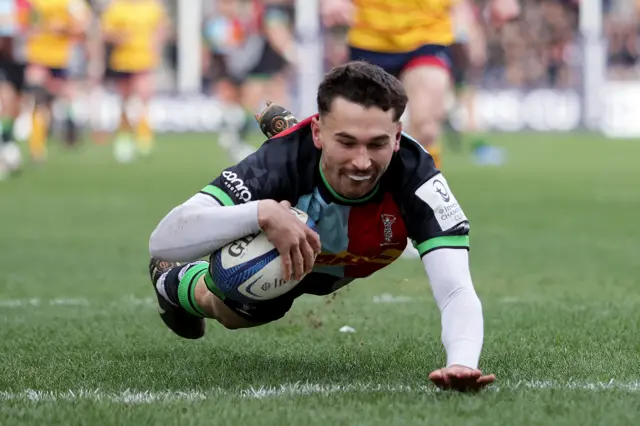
(277, 28)
(224, 210)
(80, 15)
(440, 231)
(244, 199)
(200, 226)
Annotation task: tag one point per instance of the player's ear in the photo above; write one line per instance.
(315, 132)
(396, 145)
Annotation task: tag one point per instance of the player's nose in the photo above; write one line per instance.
(361, 159)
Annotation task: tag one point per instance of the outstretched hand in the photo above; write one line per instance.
(460, 378)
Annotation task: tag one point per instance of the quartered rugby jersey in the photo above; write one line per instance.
(358, 236)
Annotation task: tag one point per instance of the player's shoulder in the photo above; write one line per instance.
(412, 161)
(283, 167)
(293, 144)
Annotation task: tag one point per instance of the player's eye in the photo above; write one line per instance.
(377, 145)
(346, 144)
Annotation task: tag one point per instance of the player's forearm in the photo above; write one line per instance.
(199, 227)
(460, 307)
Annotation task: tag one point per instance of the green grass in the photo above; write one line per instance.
(554, 259)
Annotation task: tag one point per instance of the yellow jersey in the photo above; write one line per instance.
(397, 26)
(138, 22)
(53, 29)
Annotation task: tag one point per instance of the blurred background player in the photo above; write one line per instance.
(268, 78)
(468, 54)
(412, 40)
(13, 18)
(250, 51)
(55, 27)
(226, 31)
(134, 32)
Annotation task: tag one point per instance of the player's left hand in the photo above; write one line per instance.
(460, 378)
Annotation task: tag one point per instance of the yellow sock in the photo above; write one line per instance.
(38, 138)
(144, 134)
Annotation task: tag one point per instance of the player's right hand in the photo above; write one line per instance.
(297, 244)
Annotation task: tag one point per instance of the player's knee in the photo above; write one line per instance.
(232, 321)
(229, 323)
(227, 317)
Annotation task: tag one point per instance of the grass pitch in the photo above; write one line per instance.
(554, 259)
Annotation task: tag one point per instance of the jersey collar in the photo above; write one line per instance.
(331, 195)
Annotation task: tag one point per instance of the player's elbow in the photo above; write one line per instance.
(161, 241)
(157, 244)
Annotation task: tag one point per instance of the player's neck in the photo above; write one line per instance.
(341, 198)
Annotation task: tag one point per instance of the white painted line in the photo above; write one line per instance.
(390, 298)
(292, 390)
(65, 301)
(125, 397)
(296, 389)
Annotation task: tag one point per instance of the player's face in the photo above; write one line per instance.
(357, 145)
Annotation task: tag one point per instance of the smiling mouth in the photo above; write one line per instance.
(358, 178)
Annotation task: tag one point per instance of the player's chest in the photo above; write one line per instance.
(367, 237)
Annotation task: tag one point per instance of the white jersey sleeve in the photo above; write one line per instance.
(460, 307)
(200, 226)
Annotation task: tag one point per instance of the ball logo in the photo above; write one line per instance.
(277, 282)
(236, 185)
(237, 248)
(441, 189)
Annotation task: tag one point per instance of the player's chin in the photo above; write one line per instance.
(356, 189)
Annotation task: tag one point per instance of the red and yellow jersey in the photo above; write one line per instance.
(138, 23)
(53, 29)
(401, 25)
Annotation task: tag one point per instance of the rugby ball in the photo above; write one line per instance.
(249, 269)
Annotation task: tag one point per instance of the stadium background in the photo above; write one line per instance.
(546, 72)
(554, 257)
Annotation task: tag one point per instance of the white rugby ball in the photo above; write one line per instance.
(249, 269)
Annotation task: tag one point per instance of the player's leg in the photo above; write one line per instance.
(187, 295)
(124, 146)
(38, 81)
(142, 88)
(73, 79)
(452, 135)
(427, 81)
(11, 88)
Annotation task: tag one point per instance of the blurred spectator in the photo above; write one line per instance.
(621, 30)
